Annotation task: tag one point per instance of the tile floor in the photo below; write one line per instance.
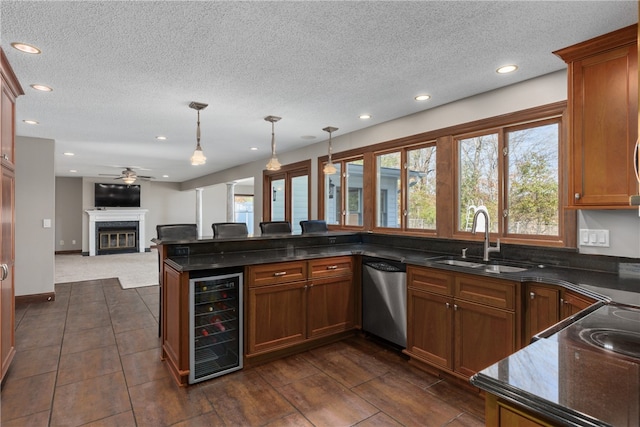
(92, 358)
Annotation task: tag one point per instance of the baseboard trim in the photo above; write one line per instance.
(75, 251)
(29, 299)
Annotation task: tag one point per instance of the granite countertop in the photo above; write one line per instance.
(599, 285)
(569, 378)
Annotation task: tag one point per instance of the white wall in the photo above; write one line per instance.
(624, 231)
(34, 202)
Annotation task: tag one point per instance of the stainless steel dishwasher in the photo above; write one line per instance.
(384, 299)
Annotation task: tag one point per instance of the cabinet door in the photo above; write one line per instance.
(7, 124)
(430, 327)
(330, 306)
(7, 300)
(542, 309)
(604, 97)
(276, 316)
(572, 303)
(483, 336)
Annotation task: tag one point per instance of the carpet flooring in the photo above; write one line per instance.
(133, 270)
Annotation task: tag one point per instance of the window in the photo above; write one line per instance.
(513, 174)
(286, 194)
(406, 188)
(344, 207)
(244, 209)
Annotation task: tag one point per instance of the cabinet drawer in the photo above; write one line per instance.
(331, 267)
(282, 272)
(430, 280)
(492, 292)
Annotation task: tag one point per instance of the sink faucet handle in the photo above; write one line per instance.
(464, 252)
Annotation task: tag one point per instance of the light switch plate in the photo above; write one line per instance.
(590, 237)
(46, 223)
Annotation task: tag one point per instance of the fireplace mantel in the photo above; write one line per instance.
(103, 215)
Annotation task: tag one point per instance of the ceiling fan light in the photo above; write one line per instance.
(129, 180)
(198, 157)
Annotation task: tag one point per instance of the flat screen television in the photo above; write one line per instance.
(117, 196)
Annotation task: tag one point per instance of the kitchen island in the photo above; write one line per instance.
(595, 278)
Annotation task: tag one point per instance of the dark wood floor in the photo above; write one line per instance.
(92, 358)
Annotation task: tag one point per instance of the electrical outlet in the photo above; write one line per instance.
(61, 242)
(73, 242)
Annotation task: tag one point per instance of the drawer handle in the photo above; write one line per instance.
(280, 273)
(447, 305)
(332, 267)
(532, 295)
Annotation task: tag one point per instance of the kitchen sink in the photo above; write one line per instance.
(493, 267)
(459, 263)
(501, 268)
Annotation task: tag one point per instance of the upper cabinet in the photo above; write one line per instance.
(603, 119)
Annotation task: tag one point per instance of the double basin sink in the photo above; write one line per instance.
(494, 267)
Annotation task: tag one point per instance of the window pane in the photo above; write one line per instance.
(388, 189)
(533, 181)
(353, 201)
(277, 200)
(332, 207)
(421, 191)
(244, 210)
(299, 201)
(478, 181)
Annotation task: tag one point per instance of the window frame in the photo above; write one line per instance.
(344, 192)
(286, 172)
(502, 221)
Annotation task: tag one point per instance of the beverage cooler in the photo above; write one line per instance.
(215, 342)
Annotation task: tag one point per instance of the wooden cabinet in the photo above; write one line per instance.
(500, 413)
(546, 305)
(573, 302)
(9, 90)
(175, 333)
(542, 309)
(459, 322)
(603, 119)
(295, 302)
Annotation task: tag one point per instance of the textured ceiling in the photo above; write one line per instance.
(125, 72)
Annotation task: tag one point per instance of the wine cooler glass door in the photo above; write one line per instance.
(215, 326)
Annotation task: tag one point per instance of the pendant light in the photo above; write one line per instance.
(198, 157)
(274, 164)
(329, 168)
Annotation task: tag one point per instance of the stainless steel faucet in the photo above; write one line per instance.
(487, 245)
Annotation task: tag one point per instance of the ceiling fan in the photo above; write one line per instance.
(129, 176)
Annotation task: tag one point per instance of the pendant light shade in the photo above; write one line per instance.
(329, 168)
(198, 157)
(274, 164)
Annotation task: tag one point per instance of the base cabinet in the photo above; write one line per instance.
(283, 310)
(175, 339)
(460, 323)
(499, 413)
(572, 303)
(276, 316)
(542, 309)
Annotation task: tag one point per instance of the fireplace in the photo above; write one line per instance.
(116, 237)
(116, 231)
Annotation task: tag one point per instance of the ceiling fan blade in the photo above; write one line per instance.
(108, 174)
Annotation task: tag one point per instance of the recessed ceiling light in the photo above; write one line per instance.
(68, 153)
(422, 97)
(42, 88)
(253, 148)
(73, 170)
(506, 69)
(365, 116)
(31, 122)
(161, 138)
(26, 48)
(165, 176)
